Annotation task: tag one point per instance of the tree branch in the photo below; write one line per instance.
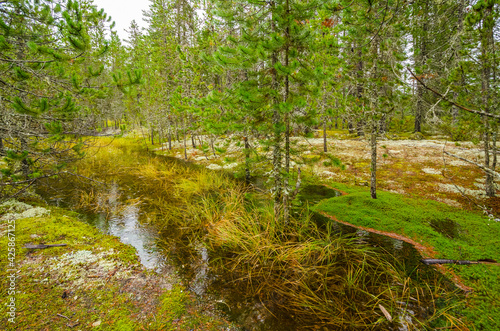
(452, 102)
(491, 172)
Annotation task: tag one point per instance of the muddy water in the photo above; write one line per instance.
(171, 251)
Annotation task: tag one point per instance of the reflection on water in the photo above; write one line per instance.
(125, 225)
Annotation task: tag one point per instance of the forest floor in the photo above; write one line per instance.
(94, 283)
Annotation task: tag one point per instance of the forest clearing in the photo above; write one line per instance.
(250, 165)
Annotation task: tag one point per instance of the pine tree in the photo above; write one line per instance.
(47, 59)
(481, 23)
(271, 49)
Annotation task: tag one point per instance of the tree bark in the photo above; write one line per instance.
(247, 160)
(486, 41)
(277, 123)
(420, 43)
(185, 144)
(373, 166)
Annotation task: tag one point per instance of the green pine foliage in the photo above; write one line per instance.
(50, 60)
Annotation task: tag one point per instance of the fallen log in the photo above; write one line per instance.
(446, 261)
(43, 246)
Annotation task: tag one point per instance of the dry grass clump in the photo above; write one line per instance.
(316, 275)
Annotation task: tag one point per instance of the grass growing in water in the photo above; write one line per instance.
(321, 278)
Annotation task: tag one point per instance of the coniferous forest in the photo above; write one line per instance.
(250, 165)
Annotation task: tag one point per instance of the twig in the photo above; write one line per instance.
(43, 246)
(491, 172)
(452, 102)
(459, 262)
(73, 325)
(66, 317)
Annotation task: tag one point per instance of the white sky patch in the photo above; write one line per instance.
(123, 12)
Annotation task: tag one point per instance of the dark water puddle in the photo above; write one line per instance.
(446, 227)
(313, 194)
(122, 221)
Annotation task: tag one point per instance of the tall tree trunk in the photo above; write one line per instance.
(192, 140)
(185, 144)
(25, 167)
(169, 136)
(457, 54)
(420, 44)
(277, 123)
(325, 147)
(286, 193)
(486, 42)
(247, 160)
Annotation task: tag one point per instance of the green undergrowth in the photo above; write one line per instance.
(453, 234)
(94, 283)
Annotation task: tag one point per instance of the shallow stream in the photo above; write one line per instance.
(170, 252)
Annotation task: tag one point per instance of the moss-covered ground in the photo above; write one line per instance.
(449, 232)
(94, 283)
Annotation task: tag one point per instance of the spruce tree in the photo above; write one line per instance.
(272, 51)
(48, 63)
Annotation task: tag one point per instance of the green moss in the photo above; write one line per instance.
(173, 304)
(310, 158)
(473, 237)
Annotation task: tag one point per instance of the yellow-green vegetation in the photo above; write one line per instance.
(94, 283)
(174, 192)
(453, 234)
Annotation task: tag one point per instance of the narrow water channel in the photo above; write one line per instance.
(169, 251)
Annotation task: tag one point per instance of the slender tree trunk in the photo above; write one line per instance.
(286, 194)
(247, 160)
(494, 148)
(420, 59)
(212, 140)
(486, 41)
(185, 144)
(25, 167)
(325, 147)
(461, 12)
(192, 140)
(277, 123)
(170, 137)
(373, 166)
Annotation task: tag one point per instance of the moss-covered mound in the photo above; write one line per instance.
(451, 233)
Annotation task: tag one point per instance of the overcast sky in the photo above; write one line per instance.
(123, 12)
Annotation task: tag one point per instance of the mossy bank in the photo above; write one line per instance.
(449, 233)
(95, 282)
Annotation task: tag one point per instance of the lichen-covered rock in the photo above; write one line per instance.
(31, 212)
(214, 166)
(14, 206)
